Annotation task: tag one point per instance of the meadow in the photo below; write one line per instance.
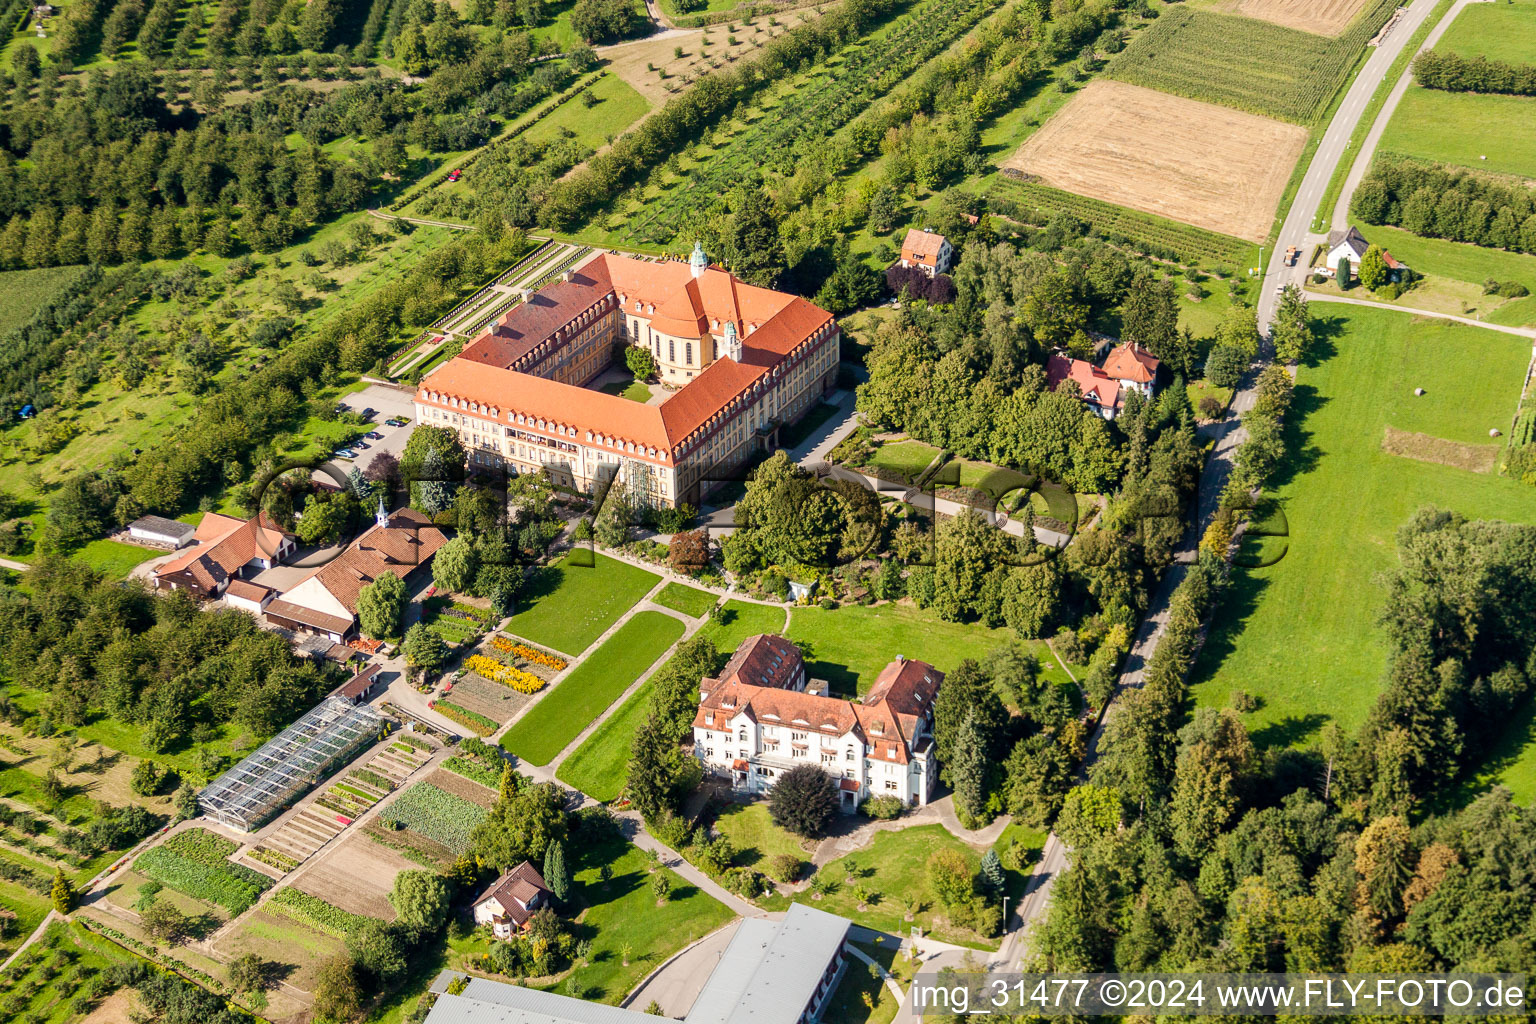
(1245, 63)
(570, 604)
(1489, 133)
(1499, 31)
(1301, 634)
(22, 291)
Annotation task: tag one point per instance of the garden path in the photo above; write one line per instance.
(1524, 332)
(890, 982)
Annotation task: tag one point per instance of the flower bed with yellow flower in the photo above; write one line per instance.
(529, 654)
(506, 675)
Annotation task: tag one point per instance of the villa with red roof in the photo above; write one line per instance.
(1128, 367)
(223, 549)
(759, 719)
(737, 362)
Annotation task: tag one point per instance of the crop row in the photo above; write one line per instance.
(234, 887)
(527, 653)
(474, 771)
(1035, 204)
(438, 815)
(834, 97)
(1246, 63)
(274, 859)
(472, 720)
(505, 675)
(315, 912)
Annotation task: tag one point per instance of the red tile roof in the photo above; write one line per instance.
(281, 609)
(541, 317)
(515, 890)
(246, 591)
(1132, 362)
(358, 685)
(224, 545)
(762, 660)
(922, 247)
(1095, 385)
(407, 540)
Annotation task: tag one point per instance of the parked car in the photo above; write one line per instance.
(455, 174)
(345, 453)
(373, 435)
(361, 445)
(368, 414)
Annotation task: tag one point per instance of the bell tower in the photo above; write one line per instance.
(730, 345)
(698, 262)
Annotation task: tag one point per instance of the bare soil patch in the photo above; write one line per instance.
(1475, 458)
(407, 839)
(114, 1009)
(357, 877)
(494, 701)
(1320, 17)
(1213, 167)
(458, 785)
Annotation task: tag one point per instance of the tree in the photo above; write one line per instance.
(1292, 331)
(653, 769)
(425, 649)
(750, 244)
(803, 800)
(248, 973)
(617, 511)
(335, 990)
(186, 802)
(1373, 268)
(521, 828)
(949, 877)
(1240, 329)
(163, 922)
(851, 285)
(640, 362)
(968, 773)
(661, 887)
(992, 872)
(145, 779)
(1225, 366)
(604, 21)
(63, 892)
(421, 899)
(1215, 760)
(454, 566)
(556, 875)
(1090, 812)
(1149, 316)
(381, 606)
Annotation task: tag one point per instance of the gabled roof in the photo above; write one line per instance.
(224, 545)
(762, 660)
(278, 608)
(515, 890)
(541, 317)
(771, 970)
(1132, 362)
(407, 540)
(1352, 238)
(163, 526)
(922, 247)
(1096, 386)
(246, 590)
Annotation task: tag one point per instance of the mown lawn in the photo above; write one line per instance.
(689, 600)
(906, 459)
(757, 839)
(1461, 262)
(599, 765)
(1503, 31)
(895, 865)
(113, 559)
(1465, 128)
(849, 646)
(1301, 634)
(622, 912)
(584, 694)
(571, 603)
(618, 106)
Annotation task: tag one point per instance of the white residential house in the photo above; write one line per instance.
(1127, 368)
(509, 902)
(927, 250)
(758, 720)
(1345, 245)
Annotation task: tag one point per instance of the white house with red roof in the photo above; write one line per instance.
(508, 903)
(928, 251)
(1128, 367)
(758, 720)
(743, 361)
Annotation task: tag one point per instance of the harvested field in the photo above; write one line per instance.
(458, 785)
(1192, 162)
(1324, 17)
(494, 701)
(1475, 458)
(356, 876)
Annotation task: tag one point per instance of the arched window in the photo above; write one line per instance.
(688, 353)
(848, 755)
(743, 734)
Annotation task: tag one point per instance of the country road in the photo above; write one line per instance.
(1294, 231)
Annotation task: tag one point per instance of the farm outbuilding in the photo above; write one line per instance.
(160, 531)
(290, 763)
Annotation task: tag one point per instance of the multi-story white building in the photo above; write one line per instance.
(744, 361)
(1127, 368)
(758, 720)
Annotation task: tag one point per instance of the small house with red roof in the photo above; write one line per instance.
(508, 904)
(928, 251)
(756, 721)
(1128, 367)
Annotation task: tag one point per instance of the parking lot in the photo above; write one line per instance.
(386, 402)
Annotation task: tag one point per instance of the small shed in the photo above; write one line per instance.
(247, 596)
(360, 687)
(161, 532)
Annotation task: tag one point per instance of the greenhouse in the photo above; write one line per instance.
(290, 763)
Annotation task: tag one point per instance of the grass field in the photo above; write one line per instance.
(594, 684)
(573, 603)
(618, 106)
(57, 966)
(895, 865)
(1245, 63)
(682, 598)
(24, 291)
(849, 646)
(1217, 168)
(904, 459)
(1301, 634)
(756, 838)
(1463, 128)
(598, 766)
(1501, 31)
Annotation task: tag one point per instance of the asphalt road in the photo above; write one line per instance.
(1295, 230)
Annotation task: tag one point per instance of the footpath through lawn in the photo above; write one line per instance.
(583, 695)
